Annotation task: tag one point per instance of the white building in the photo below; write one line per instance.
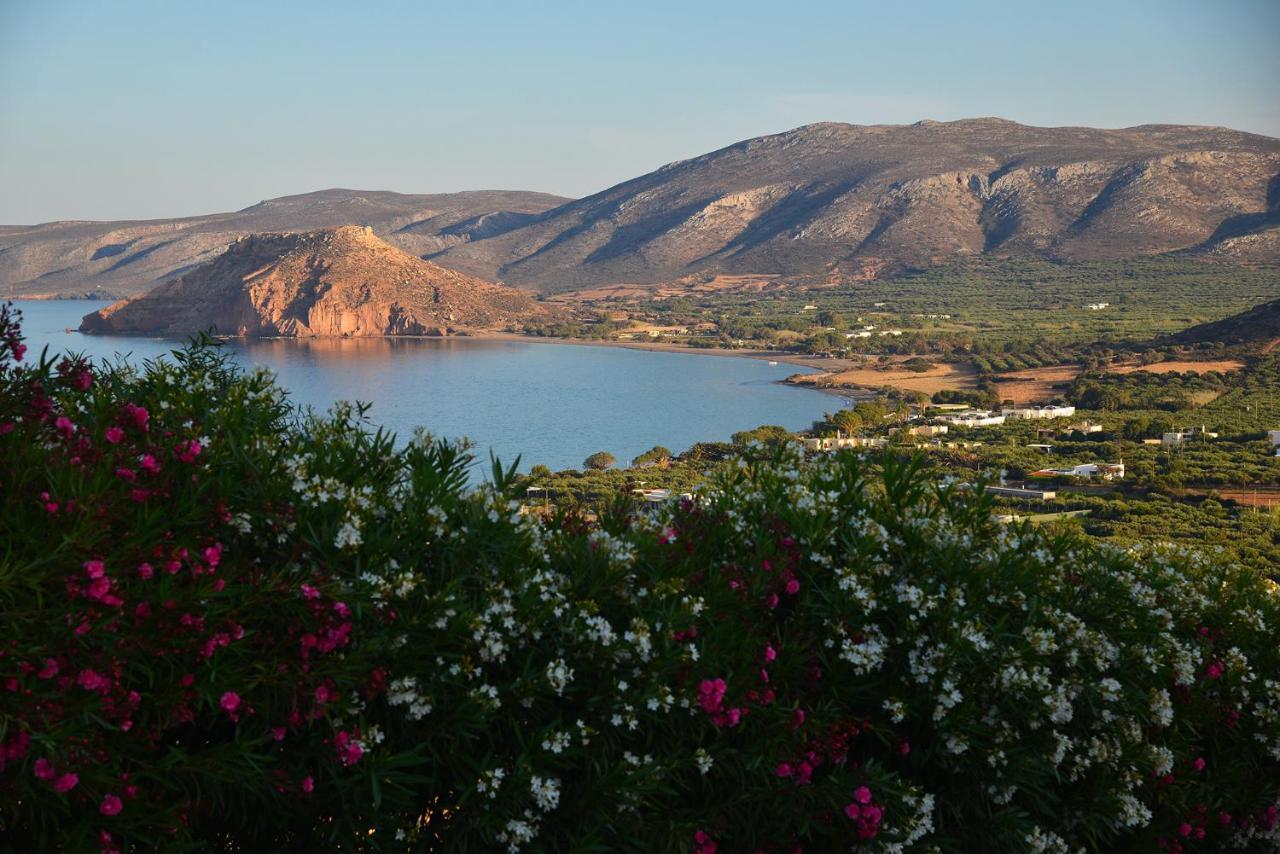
(1181, 437)
(1105, 471)
(1085, 427)
(836, 443)
(973, 418)
(1097, 306)
(1029, 412)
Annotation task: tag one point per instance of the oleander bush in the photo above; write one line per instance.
(230, 625)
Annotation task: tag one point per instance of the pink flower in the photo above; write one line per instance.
(111, 805)
(711, 694)
(1215, 670)
(114, 435)
(309, 592)
(230, 702)
(323, 694)
(793, 587)
(783, 769)
(770, 654)
(49, 670)
(94, 568)
(308, 785)
(137, 414)
(1199, 763)
(43, 769)
(99, 588)
(862, 795)
(65, 783)
(188, 451)
(147, 462)
(64, 426)
(1184, 829)
(145, 571)
(278, 733)
(91, 680)
(213, 554)
(704, 844)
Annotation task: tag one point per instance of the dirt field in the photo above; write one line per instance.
(940, 377)
(1221, 366)
(1035, 385)
(1264, 497)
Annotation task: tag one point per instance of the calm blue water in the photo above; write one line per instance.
(551, 403)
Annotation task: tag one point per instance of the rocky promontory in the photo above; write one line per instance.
(341, 282)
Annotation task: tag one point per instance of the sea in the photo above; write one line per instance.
(547, 403)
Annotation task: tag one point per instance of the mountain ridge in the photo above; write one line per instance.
(832, 200)
(128, 257)
(823, 203)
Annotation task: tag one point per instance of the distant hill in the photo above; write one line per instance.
(838, 201)
(343, 282)
(131, 257)
(1258, 325)
(822, 203)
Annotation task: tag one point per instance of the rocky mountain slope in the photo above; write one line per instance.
(1259, 325)
(845, 201)
(336, 282)
(126, 258)
(824, 202)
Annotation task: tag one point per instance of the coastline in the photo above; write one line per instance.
(818, 364)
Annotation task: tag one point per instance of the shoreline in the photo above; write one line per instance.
(818, 364)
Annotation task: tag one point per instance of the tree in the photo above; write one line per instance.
(655, 456)
(766, 434)
(600, 461)
(847, 420)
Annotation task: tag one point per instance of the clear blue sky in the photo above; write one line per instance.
(136, 108)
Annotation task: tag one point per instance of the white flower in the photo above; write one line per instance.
(703, 760)
(1133, 813)
(1161, 707)
(546, 793)
(348, 534)
(559, 675)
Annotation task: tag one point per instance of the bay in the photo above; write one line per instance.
(551, 403)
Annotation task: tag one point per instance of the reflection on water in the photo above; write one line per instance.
(551, 403)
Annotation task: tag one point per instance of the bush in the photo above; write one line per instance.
(337, 642)
(599, 461)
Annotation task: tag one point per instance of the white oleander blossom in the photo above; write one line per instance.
(559, 675)
(546, 792)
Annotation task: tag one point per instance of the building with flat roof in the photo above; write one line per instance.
(1050, 411)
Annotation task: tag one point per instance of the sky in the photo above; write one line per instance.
(154, 108)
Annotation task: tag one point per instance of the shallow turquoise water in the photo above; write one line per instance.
(551, 403)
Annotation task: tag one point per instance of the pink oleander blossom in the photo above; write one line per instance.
(111, 805)
(230, 702)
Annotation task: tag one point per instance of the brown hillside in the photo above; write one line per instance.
(131, 257)
(335, 282)
(837, 201)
